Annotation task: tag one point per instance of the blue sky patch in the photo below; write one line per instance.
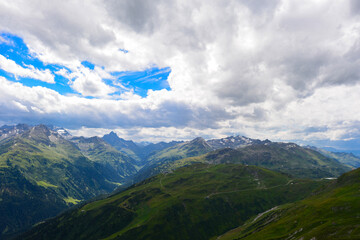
(88, 65)
(14, 48)
(141, 81)
(123, 50)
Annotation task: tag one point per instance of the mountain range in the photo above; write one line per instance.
(41, 170)
(44, 171)
(137, 151)
(346, 158)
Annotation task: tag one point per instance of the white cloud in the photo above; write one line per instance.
(10, 66)
(89, 82)
(262, 69)
(75, 111)
(20, 106)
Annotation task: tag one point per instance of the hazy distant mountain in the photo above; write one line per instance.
(196, 147)
(113, 164)
(143, 143)
(119, 143)
(152, 148)
(140, 152)
(343, 157)
(346, 158)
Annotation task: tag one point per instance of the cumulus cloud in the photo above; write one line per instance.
(10, 66)
(278, 68)
(88, 82)
(40, 104)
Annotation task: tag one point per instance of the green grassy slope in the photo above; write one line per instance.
(346, 158)
(195, 202)
(166, 157)
(51, 161)
(23, 203)
(331, 214)
(287, 158)
(113, 164)
(195, 147)
(42, 174)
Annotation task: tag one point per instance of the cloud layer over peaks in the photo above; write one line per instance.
(275, 69)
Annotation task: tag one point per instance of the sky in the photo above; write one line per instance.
(164, 70)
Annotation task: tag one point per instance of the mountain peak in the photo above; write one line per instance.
(200, 142)
(42, 134)
(40, 129)
(60, 130)
(198, 139)
(112, 133)
(112, 136)
(234, 142)
(113, 139)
